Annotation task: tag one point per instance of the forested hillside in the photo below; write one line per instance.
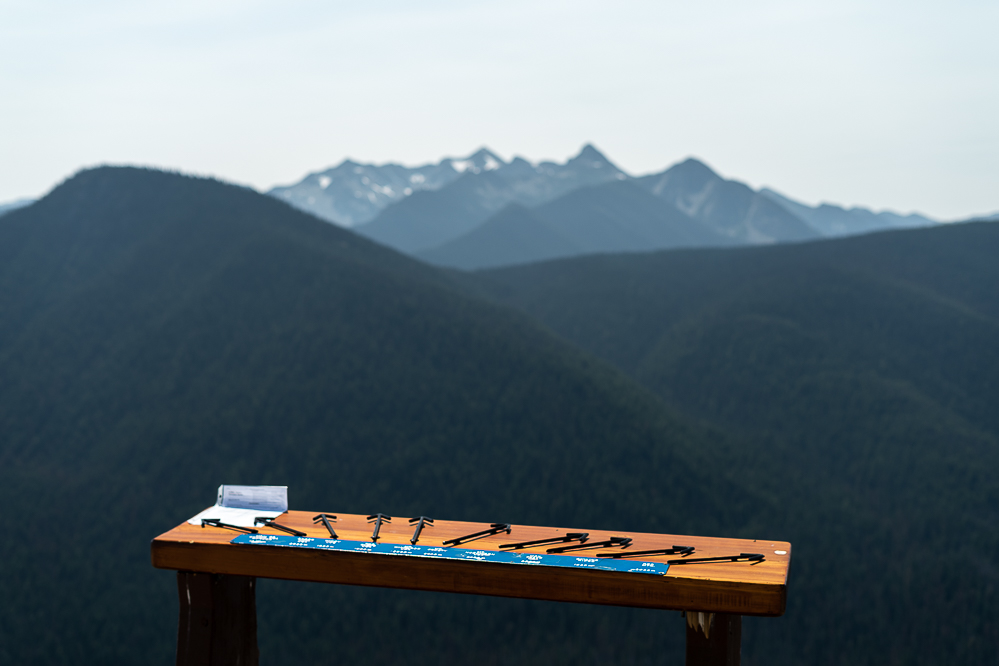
(856, 383)
(163, 334)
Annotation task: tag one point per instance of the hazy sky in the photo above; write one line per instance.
(886, 104)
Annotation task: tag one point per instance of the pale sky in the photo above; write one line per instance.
(883, 104)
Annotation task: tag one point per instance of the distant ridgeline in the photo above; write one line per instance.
(480, 211)
(14, 205)
(161, 334)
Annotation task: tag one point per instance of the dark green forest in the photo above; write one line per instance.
(161, 334)
(855, 382)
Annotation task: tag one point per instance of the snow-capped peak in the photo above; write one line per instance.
(479, 161)
(591, 158)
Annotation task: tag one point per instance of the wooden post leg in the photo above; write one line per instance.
(722, 644)
(218, 620)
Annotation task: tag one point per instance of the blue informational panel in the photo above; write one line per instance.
(501, 557)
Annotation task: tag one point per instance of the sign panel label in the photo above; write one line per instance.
(500, 557)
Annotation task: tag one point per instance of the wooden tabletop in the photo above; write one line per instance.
(742, 588)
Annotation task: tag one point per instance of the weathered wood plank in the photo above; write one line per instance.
(738, 588)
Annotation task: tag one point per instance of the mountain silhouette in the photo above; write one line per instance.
(618, 216)
(164, 334)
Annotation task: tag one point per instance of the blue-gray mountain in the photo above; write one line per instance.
(454, 213)
(832, 221)
(619, 216)
(433, 218)
(351, 193)
(988, 217)
(14, 205)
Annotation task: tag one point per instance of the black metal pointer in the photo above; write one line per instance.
(571, 536)
(620, 542)
(755, 558)
(495, 528)
(269, 522)
(325, 518)
(378, 518)
(215, 522)
(675, 550)
(423, 522)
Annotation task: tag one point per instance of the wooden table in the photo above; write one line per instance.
(216, 578)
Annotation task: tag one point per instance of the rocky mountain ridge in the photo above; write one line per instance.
(453, 212)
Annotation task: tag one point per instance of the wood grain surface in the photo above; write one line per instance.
(730, 587)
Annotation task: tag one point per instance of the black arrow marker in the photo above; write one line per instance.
(613, 542)
(495, 528)
(269, 522)
(325, 518)
(571, 536)
(215, 522)
(755, 558)
(675, 550)
(423, 522)
(378, 518)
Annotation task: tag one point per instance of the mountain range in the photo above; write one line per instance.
(452, 213)
(351, 193)
(163, 334)
(432, 218)
(833, 221)
(617, 216)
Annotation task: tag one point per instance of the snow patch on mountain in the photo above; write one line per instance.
(350, 193)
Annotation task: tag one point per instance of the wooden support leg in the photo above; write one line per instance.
(722, 644)
(218, 620)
